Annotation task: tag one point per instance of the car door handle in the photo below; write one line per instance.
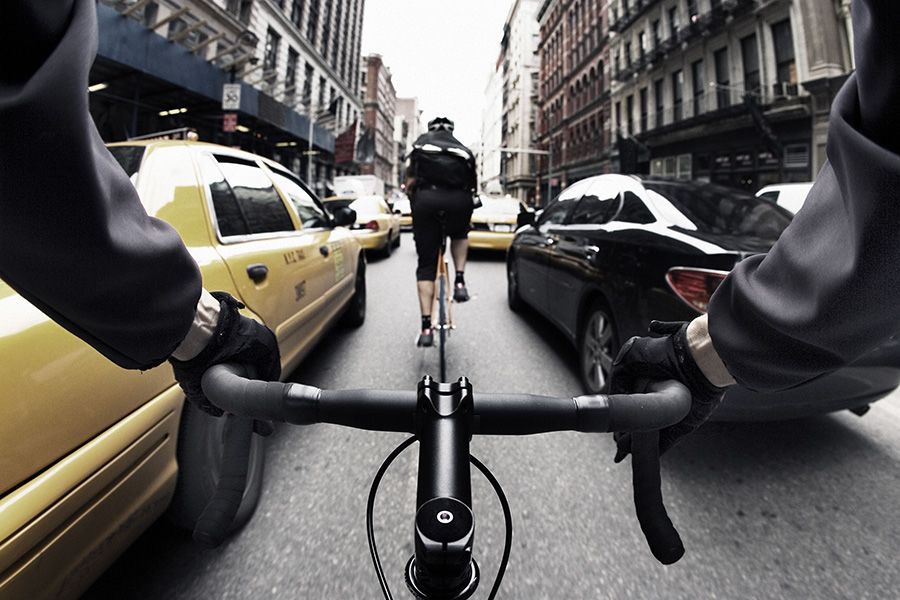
(590, 252)
(258, 272)
(551, 241)
(324, 250)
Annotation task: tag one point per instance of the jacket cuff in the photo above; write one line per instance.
(705, 355)
(202, 328)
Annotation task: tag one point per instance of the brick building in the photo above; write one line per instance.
(379, 109)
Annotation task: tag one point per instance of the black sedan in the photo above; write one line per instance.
(613, 252)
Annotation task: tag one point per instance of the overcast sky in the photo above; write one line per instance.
(441, 51)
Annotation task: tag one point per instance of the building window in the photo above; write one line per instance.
(619, 117)
(674, 23)
(312, 22)
(658, 99)
(290, 75)
(627, 54)
(693, 11)
(677, 85)
(297, 13)
(657, 33)
(644, 109)
(326, 28)
(307, 83)
(240, 9)
(699, 86)
(321, 92)
(750, 57)
(785, 67)
(271, 53)
(629, 114)
(642, 44)
(723, 81)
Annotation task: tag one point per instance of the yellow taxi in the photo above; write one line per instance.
(377, 227)
(403, 205)
(90, 454)
(494, 223)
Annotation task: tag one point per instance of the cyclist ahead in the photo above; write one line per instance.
(441, 181)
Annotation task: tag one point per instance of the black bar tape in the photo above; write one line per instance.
(226, 388)
(667, 403)
(215, 521)
(661, 535)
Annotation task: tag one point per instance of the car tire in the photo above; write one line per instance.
(513, 296)
(597, 348)
(355, 314)
(397, 241)
(388, 248)
(199, 455)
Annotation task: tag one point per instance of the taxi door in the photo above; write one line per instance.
(275, 267)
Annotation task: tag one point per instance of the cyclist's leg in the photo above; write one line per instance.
(458, 223)
(426, 229)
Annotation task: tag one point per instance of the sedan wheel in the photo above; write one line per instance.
(512, 287)
(598, 348)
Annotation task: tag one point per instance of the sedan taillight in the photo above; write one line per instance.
(695, 286)
(372, 225)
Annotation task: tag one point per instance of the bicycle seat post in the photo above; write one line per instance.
(442, 566)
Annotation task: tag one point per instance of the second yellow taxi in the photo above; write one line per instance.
(377, 227)
(494, 222)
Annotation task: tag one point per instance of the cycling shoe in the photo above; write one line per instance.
(460, 293)
(426, 340)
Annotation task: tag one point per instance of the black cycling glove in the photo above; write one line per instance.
(660, 358)
(237, 339)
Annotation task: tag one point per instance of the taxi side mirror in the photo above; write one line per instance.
(525, 217)
(344, 216)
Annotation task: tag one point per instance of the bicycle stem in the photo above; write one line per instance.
(442, 566)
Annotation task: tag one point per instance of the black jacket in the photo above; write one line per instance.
(74, 238)
(829, 290)
(438, 158)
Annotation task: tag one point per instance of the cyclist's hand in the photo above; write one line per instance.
(658, 358)
(237, 339)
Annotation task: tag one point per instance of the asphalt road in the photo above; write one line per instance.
(800, 509)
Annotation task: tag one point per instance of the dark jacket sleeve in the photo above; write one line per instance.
(828, 290)
(74, 237)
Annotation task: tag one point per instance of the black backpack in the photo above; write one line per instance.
(439, 159)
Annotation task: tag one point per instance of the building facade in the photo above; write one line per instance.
(731, 91)
(294, 60)
(520, 82)
(379, 109)
(489, 155)
(407, 127)
(573, 94)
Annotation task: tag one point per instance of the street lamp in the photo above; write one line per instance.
(547, 153)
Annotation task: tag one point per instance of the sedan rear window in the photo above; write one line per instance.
(720, 210)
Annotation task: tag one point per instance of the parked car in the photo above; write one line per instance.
(494, 222)
(613, 252)
(789, 196)
(377, 227)
(91, 454)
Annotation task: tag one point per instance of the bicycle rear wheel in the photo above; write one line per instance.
(442, 322)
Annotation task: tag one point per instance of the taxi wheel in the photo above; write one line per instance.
(388, 247)
(199, 453)
(355, 315)
(397, 241)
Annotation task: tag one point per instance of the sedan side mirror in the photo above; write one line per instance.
(525, 217)
(397, 211)
(344, 216)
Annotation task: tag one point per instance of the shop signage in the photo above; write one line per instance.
(231, 96)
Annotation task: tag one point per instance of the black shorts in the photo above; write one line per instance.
(429, 208)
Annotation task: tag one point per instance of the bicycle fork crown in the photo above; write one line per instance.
(443, 567)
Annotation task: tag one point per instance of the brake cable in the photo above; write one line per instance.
(370, 509)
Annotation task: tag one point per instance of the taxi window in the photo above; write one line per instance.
(229, 216)
(128, 157)
(310, 214)
(259, 203)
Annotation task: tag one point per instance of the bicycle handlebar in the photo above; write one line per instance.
(444, 417)
(495, 414)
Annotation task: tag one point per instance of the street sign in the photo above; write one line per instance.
(229, 122)
(231, 96)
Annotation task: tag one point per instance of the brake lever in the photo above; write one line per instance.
(662, 537)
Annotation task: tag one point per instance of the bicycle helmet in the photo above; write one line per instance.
(440, 123)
